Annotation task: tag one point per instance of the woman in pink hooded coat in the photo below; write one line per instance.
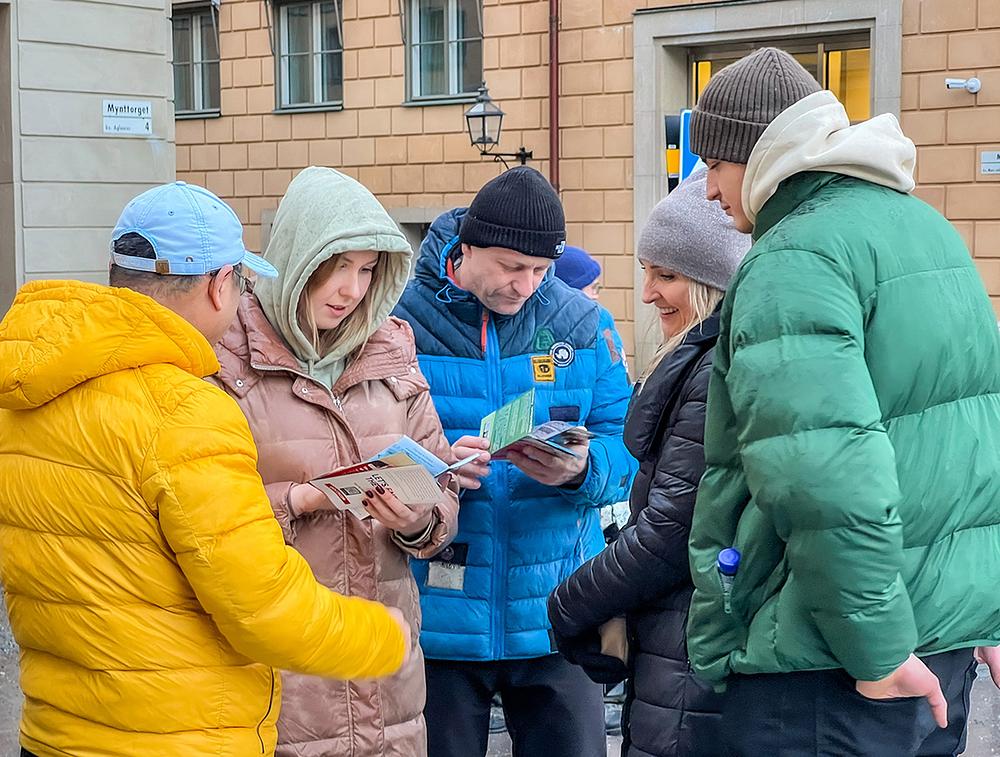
(327, 379)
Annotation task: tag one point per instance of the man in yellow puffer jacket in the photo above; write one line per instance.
(147, 581)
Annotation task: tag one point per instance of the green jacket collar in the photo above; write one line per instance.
(791, 193)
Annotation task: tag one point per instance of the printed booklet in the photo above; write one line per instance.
(511, 429)
(404, 468)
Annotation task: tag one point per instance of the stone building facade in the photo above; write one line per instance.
(378, 88)
(63, 178)
(953, 128)
(415, 155)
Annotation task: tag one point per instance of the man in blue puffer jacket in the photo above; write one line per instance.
(491, 322)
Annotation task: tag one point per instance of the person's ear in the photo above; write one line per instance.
(217, 285)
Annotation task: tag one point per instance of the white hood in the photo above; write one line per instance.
(815, 134)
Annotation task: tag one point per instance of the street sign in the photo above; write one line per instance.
(671, 127)
(989, 162)
(689, 161)
(128, 117)
(680, 161)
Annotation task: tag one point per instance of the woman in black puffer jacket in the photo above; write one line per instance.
(689, 250)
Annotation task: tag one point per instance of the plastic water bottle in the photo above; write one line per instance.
(729, 565)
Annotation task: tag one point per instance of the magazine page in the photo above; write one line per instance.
(410, 482)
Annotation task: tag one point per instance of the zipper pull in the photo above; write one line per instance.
(483, 335)
(338, 402)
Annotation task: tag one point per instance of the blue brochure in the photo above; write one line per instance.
(434, 465)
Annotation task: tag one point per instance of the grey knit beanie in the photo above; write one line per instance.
(691, 235)
(743, 99)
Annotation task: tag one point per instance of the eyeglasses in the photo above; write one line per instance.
(246, 283)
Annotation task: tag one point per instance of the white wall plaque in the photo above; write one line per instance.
(128, 117)
(989, 161)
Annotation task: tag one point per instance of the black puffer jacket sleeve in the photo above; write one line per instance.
(650, 556)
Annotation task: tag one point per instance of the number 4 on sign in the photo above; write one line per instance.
(147, 125)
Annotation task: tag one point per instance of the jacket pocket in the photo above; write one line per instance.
(446, 570)
(406, 385)
(727, 585)
(267, 713)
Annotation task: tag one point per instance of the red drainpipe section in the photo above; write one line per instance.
(554, 93)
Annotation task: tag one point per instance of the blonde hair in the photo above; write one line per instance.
(358, 321)
(703, 300)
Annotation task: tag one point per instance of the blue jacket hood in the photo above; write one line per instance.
(440, 240)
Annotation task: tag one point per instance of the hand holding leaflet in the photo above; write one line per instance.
(410, 482)
(511, 429)
(476, 450)
(552, 468)
(404, 469)
(407, 520)
(435, 465)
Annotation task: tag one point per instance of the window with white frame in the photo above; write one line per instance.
(196, 60)
(446, 48)
(310, 54)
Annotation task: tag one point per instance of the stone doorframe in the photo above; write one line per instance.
(662, 39)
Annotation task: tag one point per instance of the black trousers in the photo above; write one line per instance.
(552, 709)
(821, 714)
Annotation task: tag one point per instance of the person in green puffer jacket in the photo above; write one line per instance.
(852, 436)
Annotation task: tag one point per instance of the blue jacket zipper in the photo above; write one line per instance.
(491, 346)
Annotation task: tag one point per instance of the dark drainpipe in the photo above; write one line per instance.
(554, 93)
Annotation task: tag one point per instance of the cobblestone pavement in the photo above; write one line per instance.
(984, 728)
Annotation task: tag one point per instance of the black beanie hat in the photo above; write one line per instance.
(518, 210)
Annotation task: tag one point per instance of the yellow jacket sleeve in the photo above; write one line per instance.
(200, 475)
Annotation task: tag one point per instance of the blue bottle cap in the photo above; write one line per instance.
(729, 561)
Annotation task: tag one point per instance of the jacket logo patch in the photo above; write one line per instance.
(544, 367)
(544, 339)
(562, 354)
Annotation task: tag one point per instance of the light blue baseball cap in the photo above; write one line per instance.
(191, 231)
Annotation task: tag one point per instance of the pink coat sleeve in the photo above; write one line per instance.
(424, 427)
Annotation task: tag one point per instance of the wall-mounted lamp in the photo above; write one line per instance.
(484, 121)
(971, 86)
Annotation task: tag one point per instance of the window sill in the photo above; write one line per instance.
(191, 115)
(320, 108)
(444, 100)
